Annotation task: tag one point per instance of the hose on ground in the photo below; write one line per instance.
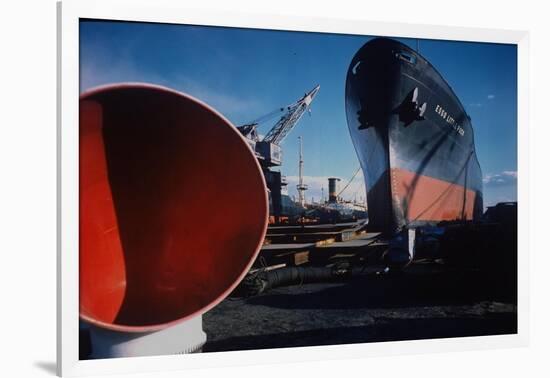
(264, 280)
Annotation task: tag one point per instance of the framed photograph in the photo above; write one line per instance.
(284, 189)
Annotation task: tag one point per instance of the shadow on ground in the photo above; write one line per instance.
(424, 303)
(48, 367)
(387, 329)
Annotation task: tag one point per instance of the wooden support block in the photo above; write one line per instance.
(301, 258)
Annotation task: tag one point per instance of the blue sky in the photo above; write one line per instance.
(246, 73)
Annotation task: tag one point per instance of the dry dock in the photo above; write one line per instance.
(428, 299)
(424, 302)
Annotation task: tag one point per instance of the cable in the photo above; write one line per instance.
(349, 182)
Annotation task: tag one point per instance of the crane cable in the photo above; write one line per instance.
(349, 182)
(274, 113)
(268, 116)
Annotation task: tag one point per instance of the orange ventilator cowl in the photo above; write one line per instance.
(173, 207)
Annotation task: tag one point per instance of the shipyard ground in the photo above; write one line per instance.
(426, 301)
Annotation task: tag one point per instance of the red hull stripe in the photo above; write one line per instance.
(424, 198)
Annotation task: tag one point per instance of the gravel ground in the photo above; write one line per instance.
(426, 301)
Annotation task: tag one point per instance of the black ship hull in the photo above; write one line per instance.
(413, 138)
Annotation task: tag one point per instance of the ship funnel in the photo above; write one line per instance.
(332, 189)
(166, 231)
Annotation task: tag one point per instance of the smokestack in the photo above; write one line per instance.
(332, 189)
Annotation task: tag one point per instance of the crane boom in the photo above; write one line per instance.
(268, 149)
(290, 118)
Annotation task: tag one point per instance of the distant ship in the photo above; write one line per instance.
(413, 139)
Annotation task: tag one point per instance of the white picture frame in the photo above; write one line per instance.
(69, 13)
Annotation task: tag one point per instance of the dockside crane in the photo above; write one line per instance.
(268, 149)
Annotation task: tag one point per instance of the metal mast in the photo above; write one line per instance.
(301, 186)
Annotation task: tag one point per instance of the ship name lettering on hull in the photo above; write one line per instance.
(450, 120)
